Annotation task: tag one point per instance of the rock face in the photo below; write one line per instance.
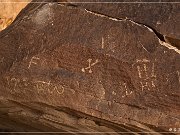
(91, 68)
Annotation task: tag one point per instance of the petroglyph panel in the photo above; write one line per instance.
(17, 85)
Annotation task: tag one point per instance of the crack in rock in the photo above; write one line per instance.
(119, 19)
(165, 44)
(105, 16)
(169, 46)
(158, 35)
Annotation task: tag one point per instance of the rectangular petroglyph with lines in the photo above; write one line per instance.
(146, 73)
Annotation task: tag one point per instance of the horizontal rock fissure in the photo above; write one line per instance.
(160, 36)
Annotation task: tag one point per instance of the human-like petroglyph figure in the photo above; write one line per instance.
(90, 65)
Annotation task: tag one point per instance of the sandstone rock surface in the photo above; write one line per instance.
(91, 68)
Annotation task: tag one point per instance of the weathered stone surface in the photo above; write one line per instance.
(162, 17)
(61, 64)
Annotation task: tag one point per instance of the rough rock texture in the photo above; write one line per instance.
(65, 67)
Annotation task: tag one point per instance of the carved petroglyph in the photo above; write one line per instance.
(178, 76)
(90, 65)
(146, 72)
(12, 83)
(144, 48)
(103, 93)
(124, 90)
(15, 85)
(102, 44)
(144, 85)
(33, 61)
(139, 72)
(59, 89)
(42, 85)
(127, 92)
(49, 87)
(143, 60)
(42, 62)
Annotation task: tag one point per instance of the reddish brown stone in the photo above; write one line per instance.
(64, 64)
